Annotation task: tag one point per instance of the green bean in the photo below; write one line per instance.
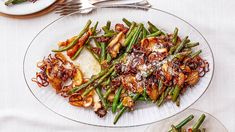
(109, 34)
(103, 52)
(108, 57)
(87, 91)
(140, 35)
(116, 99)
(93, 78)
(94, 33)
(124, 109)
(190, 45)
(141, 98)
(181, 45)
(172, 49)
(195, 54)
(176, 93)
(198, 123)
(105, 83)
(106, 94)
(144, 33)
(113, 74)
(163, 96)
(127, 22)
(133, 24)
(95, 27)
(106, 30)
(108, 24)
(171, 91)
(152, 28)
(99, 93)
(13, 2)
(175, 36)
(120, 105)
(160, 85)
(184, 122)
(84, 30)
(129, 37)
(110, 70)
(134, 38)
(77, 53)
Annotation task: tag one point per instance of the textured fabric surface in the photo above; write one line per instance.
(20, 111)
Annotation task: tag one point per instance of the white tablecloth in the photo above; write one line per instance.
(20, 111)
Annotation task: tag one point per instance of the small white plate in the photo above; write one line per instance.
(25, 8)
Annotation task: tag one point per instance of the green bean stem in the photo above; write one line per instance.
(127, 22)
(175, 36)
(195, 54)
(190, 45)
(108, 24)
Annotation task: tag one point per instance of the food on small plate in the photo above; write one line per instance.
(138, 64)
(194, 128)
(14, 2)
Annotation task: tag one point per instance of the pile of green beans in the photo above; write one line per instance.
(102, 82)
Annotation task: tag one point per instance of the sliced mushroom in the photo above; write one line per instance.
(88, 101)
(181, 79)
(115, 45)
(56, 83)
(185, 68)
(61, 57)
(78, 78)
(193, 78)
(115, 50)
(116, 39)
(76, 100)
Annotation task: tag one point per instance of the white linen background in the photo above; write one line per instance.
(20, 111)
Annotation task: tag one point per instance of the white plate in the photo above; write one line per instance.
(25, 8)
(210, 123)
(68, 26)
